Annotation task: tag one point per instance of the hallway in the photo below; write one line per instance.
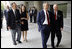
(34, 38)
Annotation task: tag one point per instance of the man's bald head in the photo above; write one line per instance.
(55, 7)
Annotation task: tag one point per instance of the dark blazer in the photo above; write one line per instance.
(6, 14)
(41, 18)
(12, 19)
(35, 12)
(59, 21)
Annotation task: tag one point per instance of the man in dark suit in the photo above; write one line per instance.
(14, 23)
(57, 26)
(35, 14)
(44, 20)
(31, 14)
(6, 15)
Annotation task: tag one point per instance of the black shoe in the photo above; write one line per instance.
(15, 44)
(53, 46)
(19, 41)
(57, 45)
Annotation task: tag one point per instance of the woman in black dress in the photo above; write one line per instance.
(24, 21)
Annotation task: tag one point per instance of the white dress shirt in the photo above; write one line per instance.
(46, 21)
(7, 10)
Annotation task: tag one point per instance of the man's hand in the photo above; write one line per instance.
(22, 22)
(61, 29)
(24, 18)
(9, 27)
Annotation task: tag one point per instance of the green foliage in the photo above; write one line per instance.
(2, 6)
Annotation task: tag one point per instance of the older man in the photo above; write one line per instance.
(6, 15)
(58, 25)
(44, 20)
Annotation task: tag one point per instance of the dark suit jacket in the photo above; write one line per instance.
(41, 19)
(6, 14)
(59, 21)
(35, 12)
(12, 18)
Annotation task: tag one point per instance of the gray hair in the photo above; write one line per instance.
(54, 5)
(45, 3)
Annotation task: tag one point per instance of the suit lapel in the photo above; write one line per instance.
(49, 14)
(14, 14)
(43, 14)
(58, 15)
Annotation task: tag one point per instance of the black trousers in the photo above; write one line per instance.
(58, 35)
(34, 19)
(30, 18)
